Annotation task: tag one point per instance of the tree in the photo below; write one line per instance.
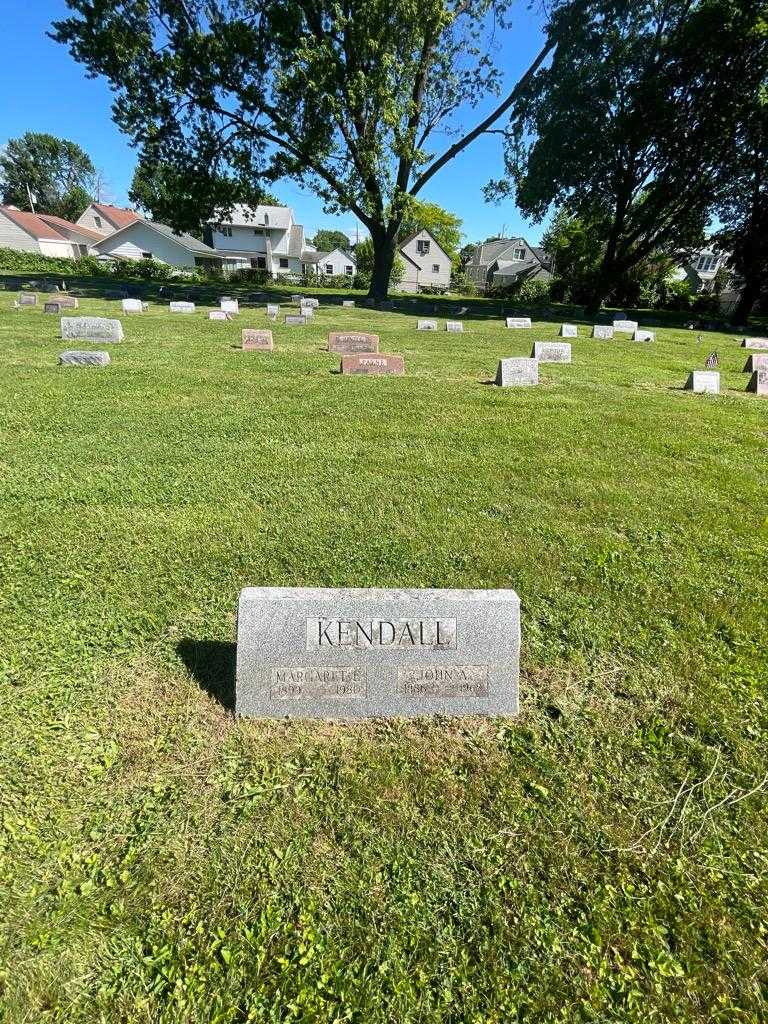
(444, 227)
(326, 241)
(575, 247)
(630, 123)
(346, 98)
(742, 207)
(58, 173)
(183, 192)
(365, 258)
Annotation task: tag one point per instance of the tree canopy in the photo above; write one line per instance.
(630, 122)
(59, 174)
(353, 100)
(326, 241)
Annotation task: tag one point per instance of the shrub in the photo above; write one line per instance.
(33, 263)
(533, 293)
(462, 284)
(251, 275)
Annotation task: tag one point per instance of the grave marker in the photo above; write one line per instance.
(363, 653)
(52, 307)
(273, 310)
(346, 343)
(295, 321)
(602, 331)
(133, 306)
(27, 299)
(312, 303)
(372, 363)
(94, 328)
(703, 382)
(181, 307)
(755, 343)
(454, 326)
(518, 322)
(426, 325)
(67, 301)
(758, 361)
(73, 358)
(625, 326)
(758, 382)
(569, 331)
(229, 306)
(552, 352)
(348, 303)
(517, 372)
(257, 340)
(639, 335)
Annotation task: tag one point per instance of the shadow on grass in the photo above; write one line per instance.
(212, 664)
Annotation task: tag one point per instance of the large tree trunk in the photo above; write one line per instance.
(384, 248)
(750, 293)
(601, 289)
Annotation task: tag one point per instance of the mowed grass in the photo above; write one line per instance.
(601, 858)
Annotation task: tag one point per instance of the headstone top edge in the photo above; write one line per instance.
(248, 594)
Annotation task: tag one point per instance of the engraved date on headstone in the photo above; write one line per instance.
(296, 683)
(443, 681)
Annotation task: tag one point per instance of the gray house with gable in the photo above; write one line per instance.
(502, 262)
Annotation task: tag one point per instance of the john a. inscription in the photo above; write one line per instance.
(384, 634)
(375, 653)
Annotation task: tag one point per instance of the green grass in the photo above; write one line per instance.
(601, 858)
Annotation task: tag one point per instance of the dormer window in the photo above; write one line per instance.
(266, 220)
(97, 221)
(518, 255)
(422, 246)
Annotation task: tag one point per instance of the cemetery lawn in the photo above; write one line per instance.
(602, 858)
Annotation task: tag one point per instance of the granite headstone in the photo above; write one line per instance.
(73, 358)
(602, 331)
(87, 328)
(345, 342)
(260, 340)
(703, 382)
(552, 352)
(426, 325)
(372, 363)
(758, 382)
(518, 322)
(569, 331)
(182, 307)
(516, 372)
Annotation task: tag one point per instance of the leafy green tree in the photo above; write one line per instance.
(365, 258)
(444, 227)
(350, 99)
(630, 123)
(58, 173)
(575, 246)
(326, 241)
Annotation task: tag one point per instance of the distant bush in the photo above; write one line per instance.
(251, 275)
(527, 292)
(34, 263)
(433, 289)
(462, 284)
(326, 281)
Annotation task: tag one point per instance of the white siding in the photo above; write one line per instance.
(434, 265)
(341, 265)
(64, 250)
(89, 217)
(139, 238)
(12, 237)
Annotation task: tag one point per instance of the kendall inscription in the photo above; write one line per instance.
(359, 653)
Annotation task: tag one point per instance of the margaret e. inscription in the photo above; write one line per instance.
(369, 653)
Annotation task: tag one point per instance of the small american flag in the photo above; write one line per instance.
(712, 361)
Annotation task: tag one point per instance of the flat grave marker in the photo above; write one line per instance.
(260, 340)
(91, 328)
(358, 653)
(518, 322)
(219, 314)
(426, 325)
(181, 307)
(347, 342)
(755, 343)
(703, 382)
(517, 372)
(295, 321)
(758, 383)
(348, 303)
(602, 331)
(569, 331)
(74, 358)
(551, 352)
(372, 363)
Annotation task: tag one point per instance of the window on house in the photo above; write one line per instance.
(518, 254)
(258, 263)
(329, 269)
(259, 232)
(146, 255)
(422, 246)
(435, 268)
(706, 263)
(266, 219)
(97, 221)
(349, 271)
(283, 262)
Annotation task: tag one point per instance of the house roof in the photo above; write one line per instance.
(316, 257)
(415, 234)
(118, 216)
(488, 252)
(249, 216)
(512, 269)
(66, 225)
(34, 225)
(185, 241)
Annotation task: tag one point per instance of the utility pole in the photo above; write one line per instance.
(31, 198)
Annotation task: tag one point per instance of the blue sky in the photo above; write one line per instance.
(44, 90)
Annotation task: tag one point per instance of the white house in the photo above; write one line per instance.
(106, 219)
(332, 264)
(44, 234)
(427, 265)
(264, 238)
(149, 240)
(501, 262)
